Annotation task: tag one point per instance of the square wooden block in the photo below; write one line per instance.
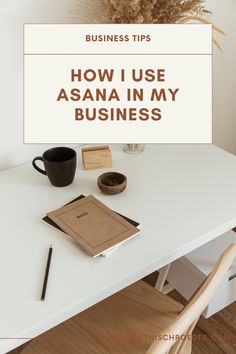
(96, 157)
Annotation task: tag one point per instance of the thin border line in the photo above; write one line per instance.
(1, 338)
(212, 87)
(138, 54)
(116, 24)
(23, 108)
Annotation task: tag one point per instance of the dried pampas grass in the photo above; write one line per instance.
(203, 20)
(154, 11)
(160, 11)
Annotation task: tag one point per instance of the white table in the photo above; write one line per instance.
(183, 195)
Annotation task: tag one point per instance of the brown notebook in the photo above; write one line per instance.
(93, 225)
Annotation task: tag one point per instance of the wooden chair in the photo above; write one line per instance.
(136, 320)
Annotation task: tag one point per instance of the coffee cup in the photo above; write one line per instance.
(59, 164)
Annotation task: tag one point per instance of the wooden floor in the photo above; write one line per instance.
(217, 334)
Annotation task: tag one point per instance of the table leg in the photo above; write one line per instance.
(160, 283)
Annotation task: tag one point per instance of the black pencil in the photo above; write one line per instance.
(46, 274)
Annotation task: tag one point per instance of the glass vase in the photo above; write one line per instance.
(133, 148)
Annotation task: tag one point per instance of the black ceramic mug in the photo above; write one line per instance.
(60, 165)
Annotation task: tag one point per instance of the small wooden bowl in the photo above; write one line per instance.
(112, 183)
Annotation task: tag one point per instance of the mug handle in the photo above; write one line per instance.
(36, 167)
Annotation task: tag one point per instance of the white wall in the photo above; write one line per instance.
(12, 16)
(13, 13)
(224, 97)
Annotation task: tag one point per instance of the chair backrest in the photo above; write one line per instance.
(175, 338)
